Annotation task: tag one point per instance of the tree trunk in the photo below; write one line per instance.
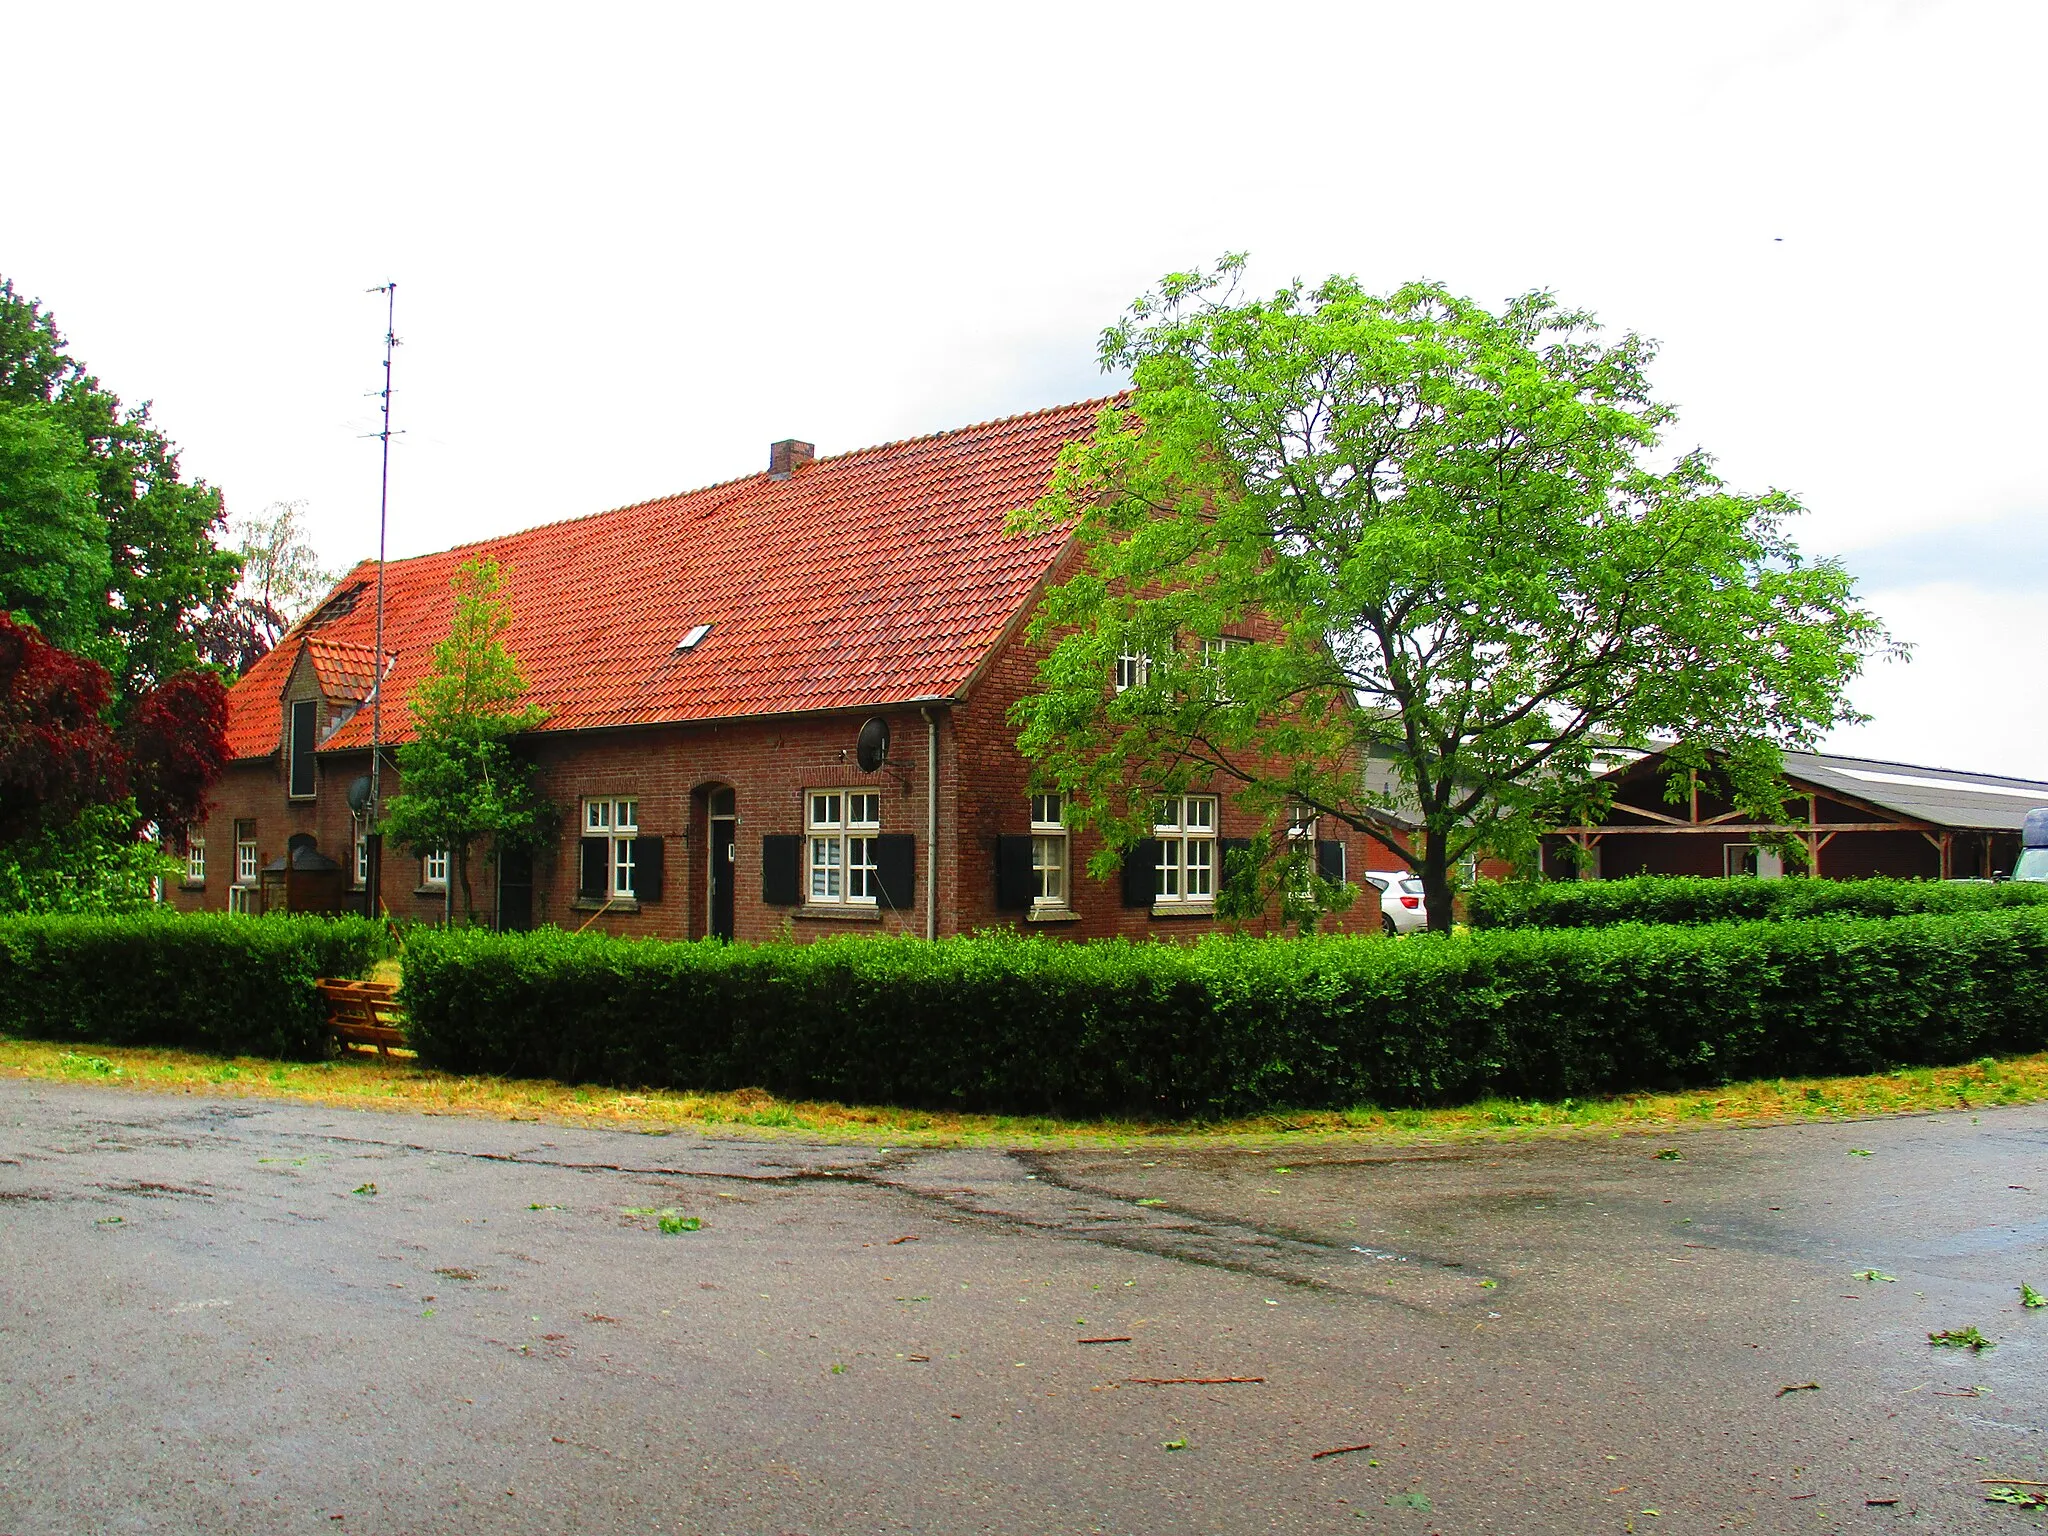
(1436, 884)
(468, 903)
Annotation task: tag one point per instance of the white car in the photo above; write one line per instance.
(1401, 905)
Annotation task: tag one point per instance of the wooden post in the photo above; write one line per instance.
(1948, 855)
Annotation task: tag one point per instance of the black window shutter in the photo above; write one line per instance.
(896, 870)
(1015, 883)
(305, 724)
(594, 871)
(782, 858)
(647, 868)
(1330, 860)
(1141, 872)
(1226, 847)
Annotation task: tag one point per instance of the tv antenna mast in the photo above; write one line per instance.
(377, 669)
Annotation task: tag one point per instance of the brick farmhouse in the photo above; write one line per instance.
(709, 663)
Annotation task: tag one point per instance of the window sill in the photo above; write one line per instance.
(615, 904)
(840, 914)
(1183, 909)
(435, 891)
(191, 885)
(1052, 915)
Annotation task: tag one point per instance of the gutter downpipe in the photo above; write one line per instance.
(931, 821)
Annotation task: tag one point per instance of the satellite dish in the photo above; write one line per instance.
(359, 793)
(873, 750)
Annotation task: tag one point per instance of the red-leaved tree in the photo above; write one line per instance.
(58, 757)
(177, 748)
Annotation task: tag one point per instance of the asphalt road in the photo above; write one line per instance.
(244, 1316)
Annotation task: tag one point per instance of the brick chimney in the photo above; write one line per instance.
(787, 456)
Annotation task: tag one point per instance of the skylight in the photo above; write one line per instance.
(694, 638)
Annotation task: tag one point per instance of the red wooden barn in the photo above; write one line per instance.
(1854, 816)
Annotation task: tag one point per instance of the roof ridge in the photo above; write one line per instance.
(895, 445)
(1893, 763)
(977, 426)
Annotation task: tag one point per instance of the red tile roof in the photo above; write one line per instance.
(345, 671)
(871, 578)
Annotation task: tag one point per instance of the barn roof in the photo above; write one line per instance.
(1945, 796)
(871, 578)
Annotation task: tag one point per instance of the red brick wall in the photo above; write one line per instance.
(994, 780)
(254, 789)
(769, 764)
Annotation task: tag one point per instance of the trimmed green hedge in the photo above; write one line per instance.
(1688, 899)
(1234, 1026)
(232, 985)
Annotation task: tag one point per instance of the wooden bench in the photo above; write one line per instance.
(364, 1013)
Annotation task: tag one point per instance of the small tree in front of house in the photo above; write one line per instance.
(465, 786)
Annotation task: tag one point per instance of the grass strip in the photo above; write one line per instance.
(365, 1082)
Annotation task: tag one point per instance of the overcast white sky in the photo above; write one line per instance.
(635, 244)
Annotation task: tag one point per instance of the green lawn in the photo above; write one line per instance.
(398, 1084)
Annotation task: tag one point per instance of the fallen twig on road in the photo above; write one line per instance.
(1803, 1386)
(1340, 1450)
(1191, 1381)
(1121, 1338)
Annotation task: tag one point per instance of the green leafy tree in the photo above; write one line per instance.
(55, 569)
(464, 783)
(1449, 536)
(92, 863)
(103, 544)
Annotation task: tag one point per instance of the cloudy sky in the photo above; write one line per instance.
(636, 244)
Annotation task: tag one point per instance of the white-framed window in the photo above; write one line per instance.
(241, 899)
(195, 860)
(1185, 826)
(1301, 848)
(1048, 851)
(1133, 668)
(434, 870)
(841, 826)
(248, 867)
(618, 821)
(1212, 661)
(362, 863)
